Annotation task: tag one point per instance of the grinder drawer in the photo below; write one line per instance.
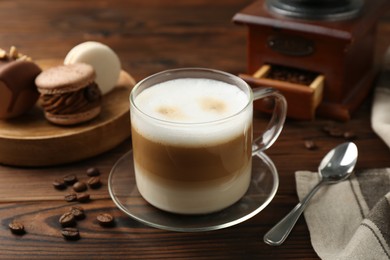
(303, 90)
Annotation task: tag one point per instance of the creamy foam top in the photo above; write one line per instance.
(191, 100)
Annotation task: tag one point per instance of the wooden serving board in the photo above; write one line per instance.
(30, 140)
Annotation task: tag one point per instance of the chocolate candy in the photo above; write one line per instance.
(18, 92)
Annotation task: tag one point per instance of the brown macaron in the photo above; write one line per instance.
(69, 94)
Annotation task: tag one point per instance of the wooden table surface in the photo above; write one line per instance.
(151, 36)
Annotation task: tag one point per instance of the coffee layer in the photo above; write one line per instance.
(193, 163)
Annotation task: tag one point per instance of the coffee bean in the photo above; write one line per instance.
(78, 212)
(105, 219)
(94, 182)
(93, 172)
(336, 132)
(59, 184)
(349, 135)
(70, 197)
(327, 128)
(67, 220)
(16, 228)
(310, 145)
(83, 197)
(70, 233)
(79, 186)
(70, 179)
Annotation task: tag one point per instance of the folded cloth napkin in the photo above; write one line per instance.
(380, 114)
(350, 219)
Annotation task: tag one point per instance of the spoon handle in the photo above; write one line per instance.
(278, 234)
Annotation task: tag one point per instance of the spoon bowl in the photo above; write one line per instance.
(339, 163)
(336, 166)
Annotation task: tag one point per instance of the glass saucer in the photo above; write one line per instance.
(123, 191)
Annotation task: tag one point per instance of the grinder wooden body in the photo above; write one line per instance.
(341, 51)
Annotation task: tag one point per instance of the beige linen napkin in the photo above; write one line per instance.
(380, 114)
(350, 219)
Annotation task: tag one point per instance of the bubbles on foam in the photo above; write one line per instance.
(191, 100)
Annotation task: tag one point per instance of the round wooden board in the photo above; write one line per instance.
(30, 140)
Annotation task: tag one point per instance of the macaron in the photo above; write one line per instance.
(102, 58)
(18, 93)
(69, 94)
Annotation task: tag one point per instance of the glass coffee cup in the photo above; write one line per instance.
(192, 137)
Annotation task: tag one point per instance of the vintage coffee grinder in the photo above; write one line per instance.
(318, 53)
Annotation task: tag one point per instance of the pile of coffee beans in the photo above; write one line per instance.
(68, 220)
(292, 75)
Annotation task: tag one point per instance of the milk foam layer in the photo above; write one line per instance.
(185, 103)
(181, 200)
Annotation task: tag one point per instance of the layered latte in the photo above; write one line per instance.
(192, 144)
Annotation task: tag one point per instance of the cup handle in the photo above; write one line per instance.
(276, 123)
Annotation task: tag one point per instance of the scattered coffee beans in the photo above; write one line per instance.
(94, 182)
(310, 145)
(83, 197)
(79, 186)
(93, 172)
(70, 179)
(16, 228)
(335, 131)
(70, 197)
(59, 184)
(78, 212)
(70, 233)
(105, 220)
(67, 220)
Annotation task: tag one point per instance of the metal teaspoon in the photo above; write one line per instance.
(336, 166)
